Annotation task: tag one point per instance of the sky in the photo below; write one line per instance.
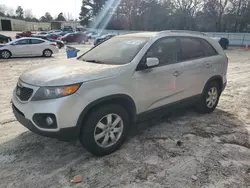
(54, 7)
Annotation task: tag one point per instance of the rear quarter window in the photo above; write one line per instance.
(209, 49)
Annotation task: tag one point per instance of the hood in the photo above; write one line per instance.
(68, 72)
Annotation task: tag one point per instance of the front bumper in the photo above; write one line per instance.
(62, 134)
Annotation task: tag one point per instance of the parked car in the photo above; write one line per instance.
(74, 37)
(28, 47)
(68, 29)
(100, 95)
(93, 35)
(224, 42)
(55, 31)
(103, 38)
(24, 34)
(60, 44)
(4, 39)
(53, 36)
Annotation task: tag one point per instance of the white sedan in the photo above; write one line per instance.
(24, 47)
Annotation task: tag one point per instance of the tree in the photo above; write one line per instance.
(60, 17)
(28, 15)
(19, 12)
(89, 9)
(46, 18)
(3, 10)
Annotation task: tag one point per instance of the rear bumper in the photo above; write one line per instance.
(65, 134)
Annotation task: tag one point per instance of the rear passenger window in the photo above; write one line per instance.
(191, 48)
(36, 41)
(210, 51)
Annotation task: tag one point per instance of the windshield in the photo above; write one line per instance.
(117, 50)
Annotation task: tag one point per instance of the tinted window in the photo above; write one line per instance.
(165, 50)
(23, 42)
(210, 51)
(36, 41)
(191, 48)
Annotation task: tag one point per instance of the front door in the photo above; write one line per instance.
(159, 85)
(21, 47)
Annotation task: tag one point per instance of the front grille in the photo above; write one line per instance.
(23, 93)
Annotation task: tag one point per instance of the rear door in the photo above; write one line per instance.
(37, 46)
(193, 58)
(21, 47)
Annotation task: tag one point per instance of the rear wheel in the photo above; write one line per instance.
(5, 54)
(105, 129)
(47, 53)
(209, 98)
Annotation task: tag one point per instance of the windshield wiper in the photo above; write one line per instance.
(94, 61)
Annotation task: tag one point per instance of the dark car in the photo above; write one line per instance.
(4, 39)
(59, 43)
(74, 37)
(103, 38)
(53, 36)
(24, 34)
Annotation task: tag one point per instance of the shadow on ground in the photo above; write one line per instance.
(182, 150)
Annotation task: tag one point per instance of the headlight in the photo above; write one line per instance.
(44, 93)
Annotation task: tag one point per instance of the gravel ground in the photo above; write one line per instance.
(184, 149)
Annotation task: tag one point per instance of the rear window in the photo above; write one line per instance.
(36, 41)
(210, 51)
(191, 48)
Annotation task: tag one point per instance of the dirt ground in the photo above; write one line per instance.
(212, 151)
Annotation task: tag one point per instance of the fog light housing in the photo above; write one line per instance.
(46, 121)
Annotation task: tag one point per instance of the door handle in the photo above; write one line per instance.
(177, 73)
(208, 64)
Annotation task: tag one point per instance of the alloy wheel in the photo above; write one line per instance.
(108, 130)
(5, 54)
(212, 97)
(47, 53)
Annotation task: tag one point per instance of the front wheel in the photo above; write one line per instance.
(105, 129)
(5, 54)
(209, 98)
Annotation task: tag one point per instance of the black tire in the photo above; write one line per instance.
(87, 132)
(47, 53)
(202, 106)
(5, 54)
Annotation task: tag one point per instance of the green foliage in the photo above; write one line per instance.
(19, 12)
(60, 17)
(203, 15)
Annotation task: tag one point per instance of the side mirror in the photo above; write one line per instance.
(152, 61)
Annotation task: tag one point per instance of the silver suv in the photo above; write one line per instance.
(100, 95)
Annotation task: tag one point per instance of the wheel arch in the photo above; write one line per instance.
(122, 99)
(47, 49)
(217, 79)
(6, 50)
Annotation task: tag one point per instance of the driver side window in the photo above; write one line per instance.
(23, 42)
(165, 50)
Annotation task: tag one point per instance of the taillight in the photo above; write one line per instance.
(53, 44)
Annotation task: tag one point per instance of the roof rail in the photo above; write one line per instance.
(183, 31)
